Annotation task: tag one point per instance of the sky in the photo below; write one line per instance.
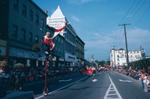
(97, 23)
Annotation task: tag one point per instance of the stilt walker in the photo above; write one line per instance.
(49, 44)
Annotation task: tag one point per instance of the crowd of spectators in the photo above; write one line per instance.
(138, 74)
(17, 77)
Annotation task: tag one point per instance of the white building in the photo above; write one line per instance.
(118, 56)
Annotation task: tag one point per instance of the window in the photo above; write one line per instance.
(31, 15)
(24, 10)
(15, 31)
(37, 19)
(16, 4)
(23, 31)
(42, 24)
(117, 59)
(30, 36)
(118, 56)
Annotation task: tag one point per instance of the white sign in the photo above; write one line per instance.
(70, 58)
(56, 23)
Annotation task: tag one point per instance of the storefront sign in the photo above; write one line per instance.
(70, 58)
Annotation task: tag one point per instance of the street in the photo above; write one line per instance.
(74, 49)
(105, 85)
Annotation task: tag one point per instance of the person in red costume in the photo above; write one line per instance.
(48, 40)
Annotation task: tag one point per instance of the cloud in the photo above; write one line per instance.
(103, 42)
(74, 18)
(82, 1)
(78, 1)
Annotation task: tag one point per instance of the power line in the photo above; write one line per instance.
(138, 8)
(135, 6)
(131, 6)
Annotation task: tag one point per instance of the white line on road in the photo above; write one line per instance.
(41, 96)
(66, 80)
(125, 80)
(112, 88)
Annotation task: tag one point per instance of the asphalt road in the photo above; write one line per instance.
(105, 85)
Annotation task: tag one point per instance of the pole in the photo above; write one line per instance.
(46, 72)
(126, 42)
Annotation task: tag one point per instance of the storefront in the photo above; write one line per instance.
(70, 61)
(28, 58)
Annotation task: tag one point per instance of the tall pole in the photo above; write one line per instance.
(46, 74)
(126, 42)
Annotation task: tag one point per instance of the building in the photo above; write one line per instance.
(23, 25)
(118, 56)
(79, 50)
(73, 46)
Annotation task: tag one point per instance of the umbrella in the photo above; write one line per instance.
(19, 65)
(3, 63)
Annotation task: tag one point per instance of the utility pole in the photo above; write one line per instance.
(126, 42)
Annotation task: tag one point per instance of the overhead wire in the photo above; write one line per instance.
(133, 9)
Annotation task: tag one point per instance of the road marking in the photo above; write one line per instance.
(67, 80)
(112, 92)
(124, 80)
(41, 96)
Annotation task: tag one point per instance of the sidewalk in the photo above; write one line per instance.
(54, 83)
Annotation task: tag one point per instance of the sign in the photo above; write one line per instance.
(70, 57)
(56, 23)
